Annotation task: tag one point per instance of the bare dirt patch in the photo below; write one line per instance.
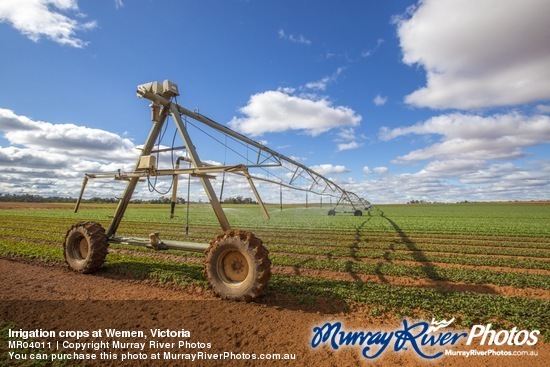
(53, 298)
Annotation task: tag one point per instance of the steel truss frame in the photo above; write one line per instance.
(266, 158)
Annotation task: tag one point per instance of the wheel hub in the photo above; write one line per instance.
(235, 266)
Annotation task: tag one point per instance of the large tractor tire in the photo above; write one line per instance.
(237, 265)
(85, 247)
(358, 213)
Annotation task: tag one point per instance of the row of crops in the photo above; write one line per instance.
(487, 246)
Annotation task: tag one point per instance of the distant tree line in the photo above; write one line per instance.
(473, 202)
(161, 200)
(97, 200)
(433, 202)
(239, 200)
(28, 198)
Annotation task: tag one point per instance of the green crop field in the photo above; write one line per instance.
(477, 262)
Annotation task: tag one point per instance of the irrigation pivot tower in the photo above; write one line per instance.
(237, 264)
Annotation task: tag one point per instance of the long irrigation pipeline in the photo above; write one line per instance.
(291, 174)
(278, 163)
(273, 160)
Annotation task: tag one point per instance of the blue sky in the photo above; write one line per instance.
(395, 100)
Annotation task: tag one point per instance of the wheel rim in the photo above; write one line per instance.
(82, 248)
(78, 248)
(234, 267)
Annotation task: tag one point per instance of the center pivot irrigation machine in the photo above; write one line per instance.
(237, 265)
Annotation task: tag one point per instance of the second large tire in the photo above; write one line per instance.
(237, 265)
(85, 247)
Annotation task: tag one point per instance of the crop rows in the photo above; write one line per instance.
(416, 256)
(418, 271)
(405, 242)
(357, 244)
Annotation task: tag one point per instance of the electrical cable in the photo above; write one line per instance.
(152, 186)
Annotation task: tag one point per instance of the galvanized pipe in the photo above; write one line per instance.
(169, 244)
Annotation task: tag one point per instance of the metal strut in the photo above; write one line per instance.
(159, 114)
(160, 94)
(195, 159)
(164, 108)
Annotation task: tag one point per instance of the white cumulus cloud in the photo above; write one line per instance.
(50, 159)
(276, 111)
(478, 54)
(475, 137)
(348, 146)
(379, 100)
(63, 138)
(470, 157)
(58, 20)
(329, 169)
